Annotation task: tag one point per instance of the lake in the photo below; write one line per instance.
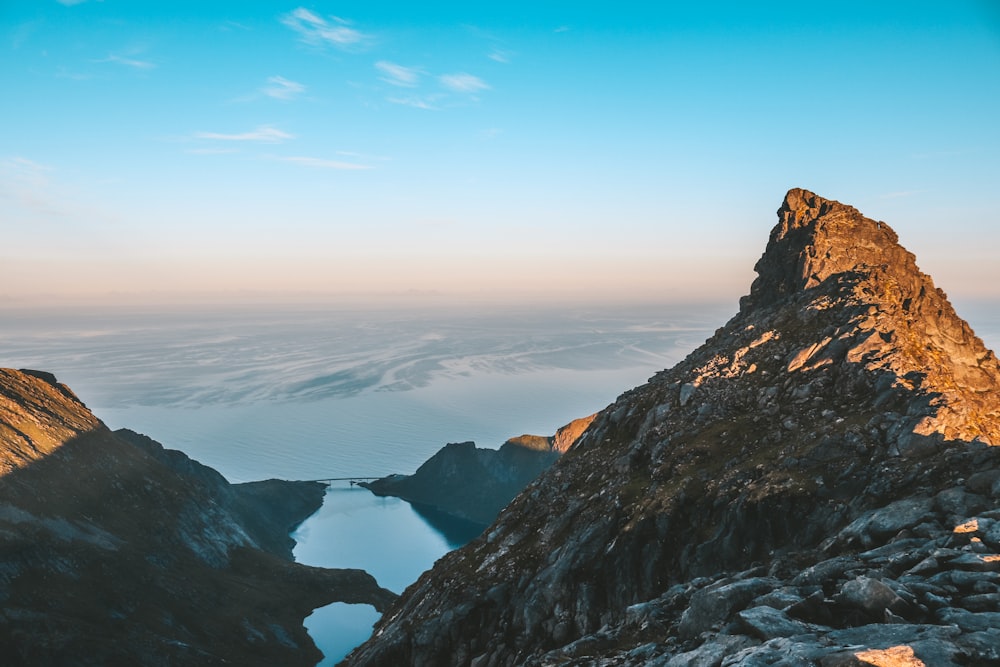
(308, 391)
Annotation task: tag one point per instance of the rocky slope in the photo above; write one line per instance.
(813, 485)
(116, 551)
(474, 484)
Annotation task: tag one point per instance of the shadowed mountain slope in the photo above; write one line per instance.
(120, 553)
(813, 485)
(473, 484)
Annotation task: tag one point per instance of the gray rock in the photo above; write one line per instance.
(982, 647)
(958, 502)
(981, 602)
(969, 621)
(982, 482)
(769, 623)
(712, 606)
(782, 598)
(711, 654)
(782, 652)
(977, 562)
(877, 525)
(870, 595)
(687, 391)
(826, 571)
(991, 536)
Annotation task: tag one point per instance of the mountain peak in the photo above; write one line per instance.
(845, 388)
(816, 239)
(862, 301)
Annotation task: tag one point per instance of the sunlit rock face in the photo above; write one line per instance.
(37, 416)
(114, 551)
(788, 494)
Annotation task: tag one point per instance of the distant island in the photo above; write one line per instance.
(473, 484)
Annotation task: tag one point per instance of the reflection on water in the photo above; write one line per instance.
(386, 537)
(456, 532)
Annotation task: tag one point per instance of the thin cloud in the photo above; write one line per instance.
(263, 134)
(322, 163)
(128, 62)
(500, 56)
(27, 183)
(318, 31)
(70, 3)
(399, 75)
(562, 28)
(416, 102)
(281, 88)
(463, 83)
(211, 151)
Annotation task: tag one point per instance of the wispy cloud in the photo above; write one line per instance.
(500, 56)
(281, 88)
(463, 83)
(128, 62)
(33, 192)
(322, 163)
(70, 3)
(27, 184)
(399, 75)
(562, 28)
(417, 102)
(316, 30)
(229, 26)
(211, 151)
(263, 134)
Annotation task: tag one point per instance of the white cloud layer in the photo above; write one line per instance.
(316, 30)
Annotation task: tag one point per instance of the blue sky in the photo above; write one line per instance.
(518, 150)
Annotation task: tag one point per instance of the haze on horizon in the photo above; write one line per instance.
(185, 150)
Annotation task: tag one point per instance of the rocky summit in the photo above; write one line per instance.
(814, 485)
(115, 551)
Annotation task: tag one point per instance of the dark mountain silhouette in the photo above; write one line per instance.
(114, 551)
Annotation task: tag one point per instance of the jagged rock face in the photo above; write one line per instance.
(119, 552)
(845, 383)
(833, 256)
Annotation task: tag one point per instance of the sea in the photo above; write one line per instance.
(318, 390)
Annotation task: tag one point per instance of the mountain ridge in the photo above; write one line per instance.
(116, 551)
(845, 412)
